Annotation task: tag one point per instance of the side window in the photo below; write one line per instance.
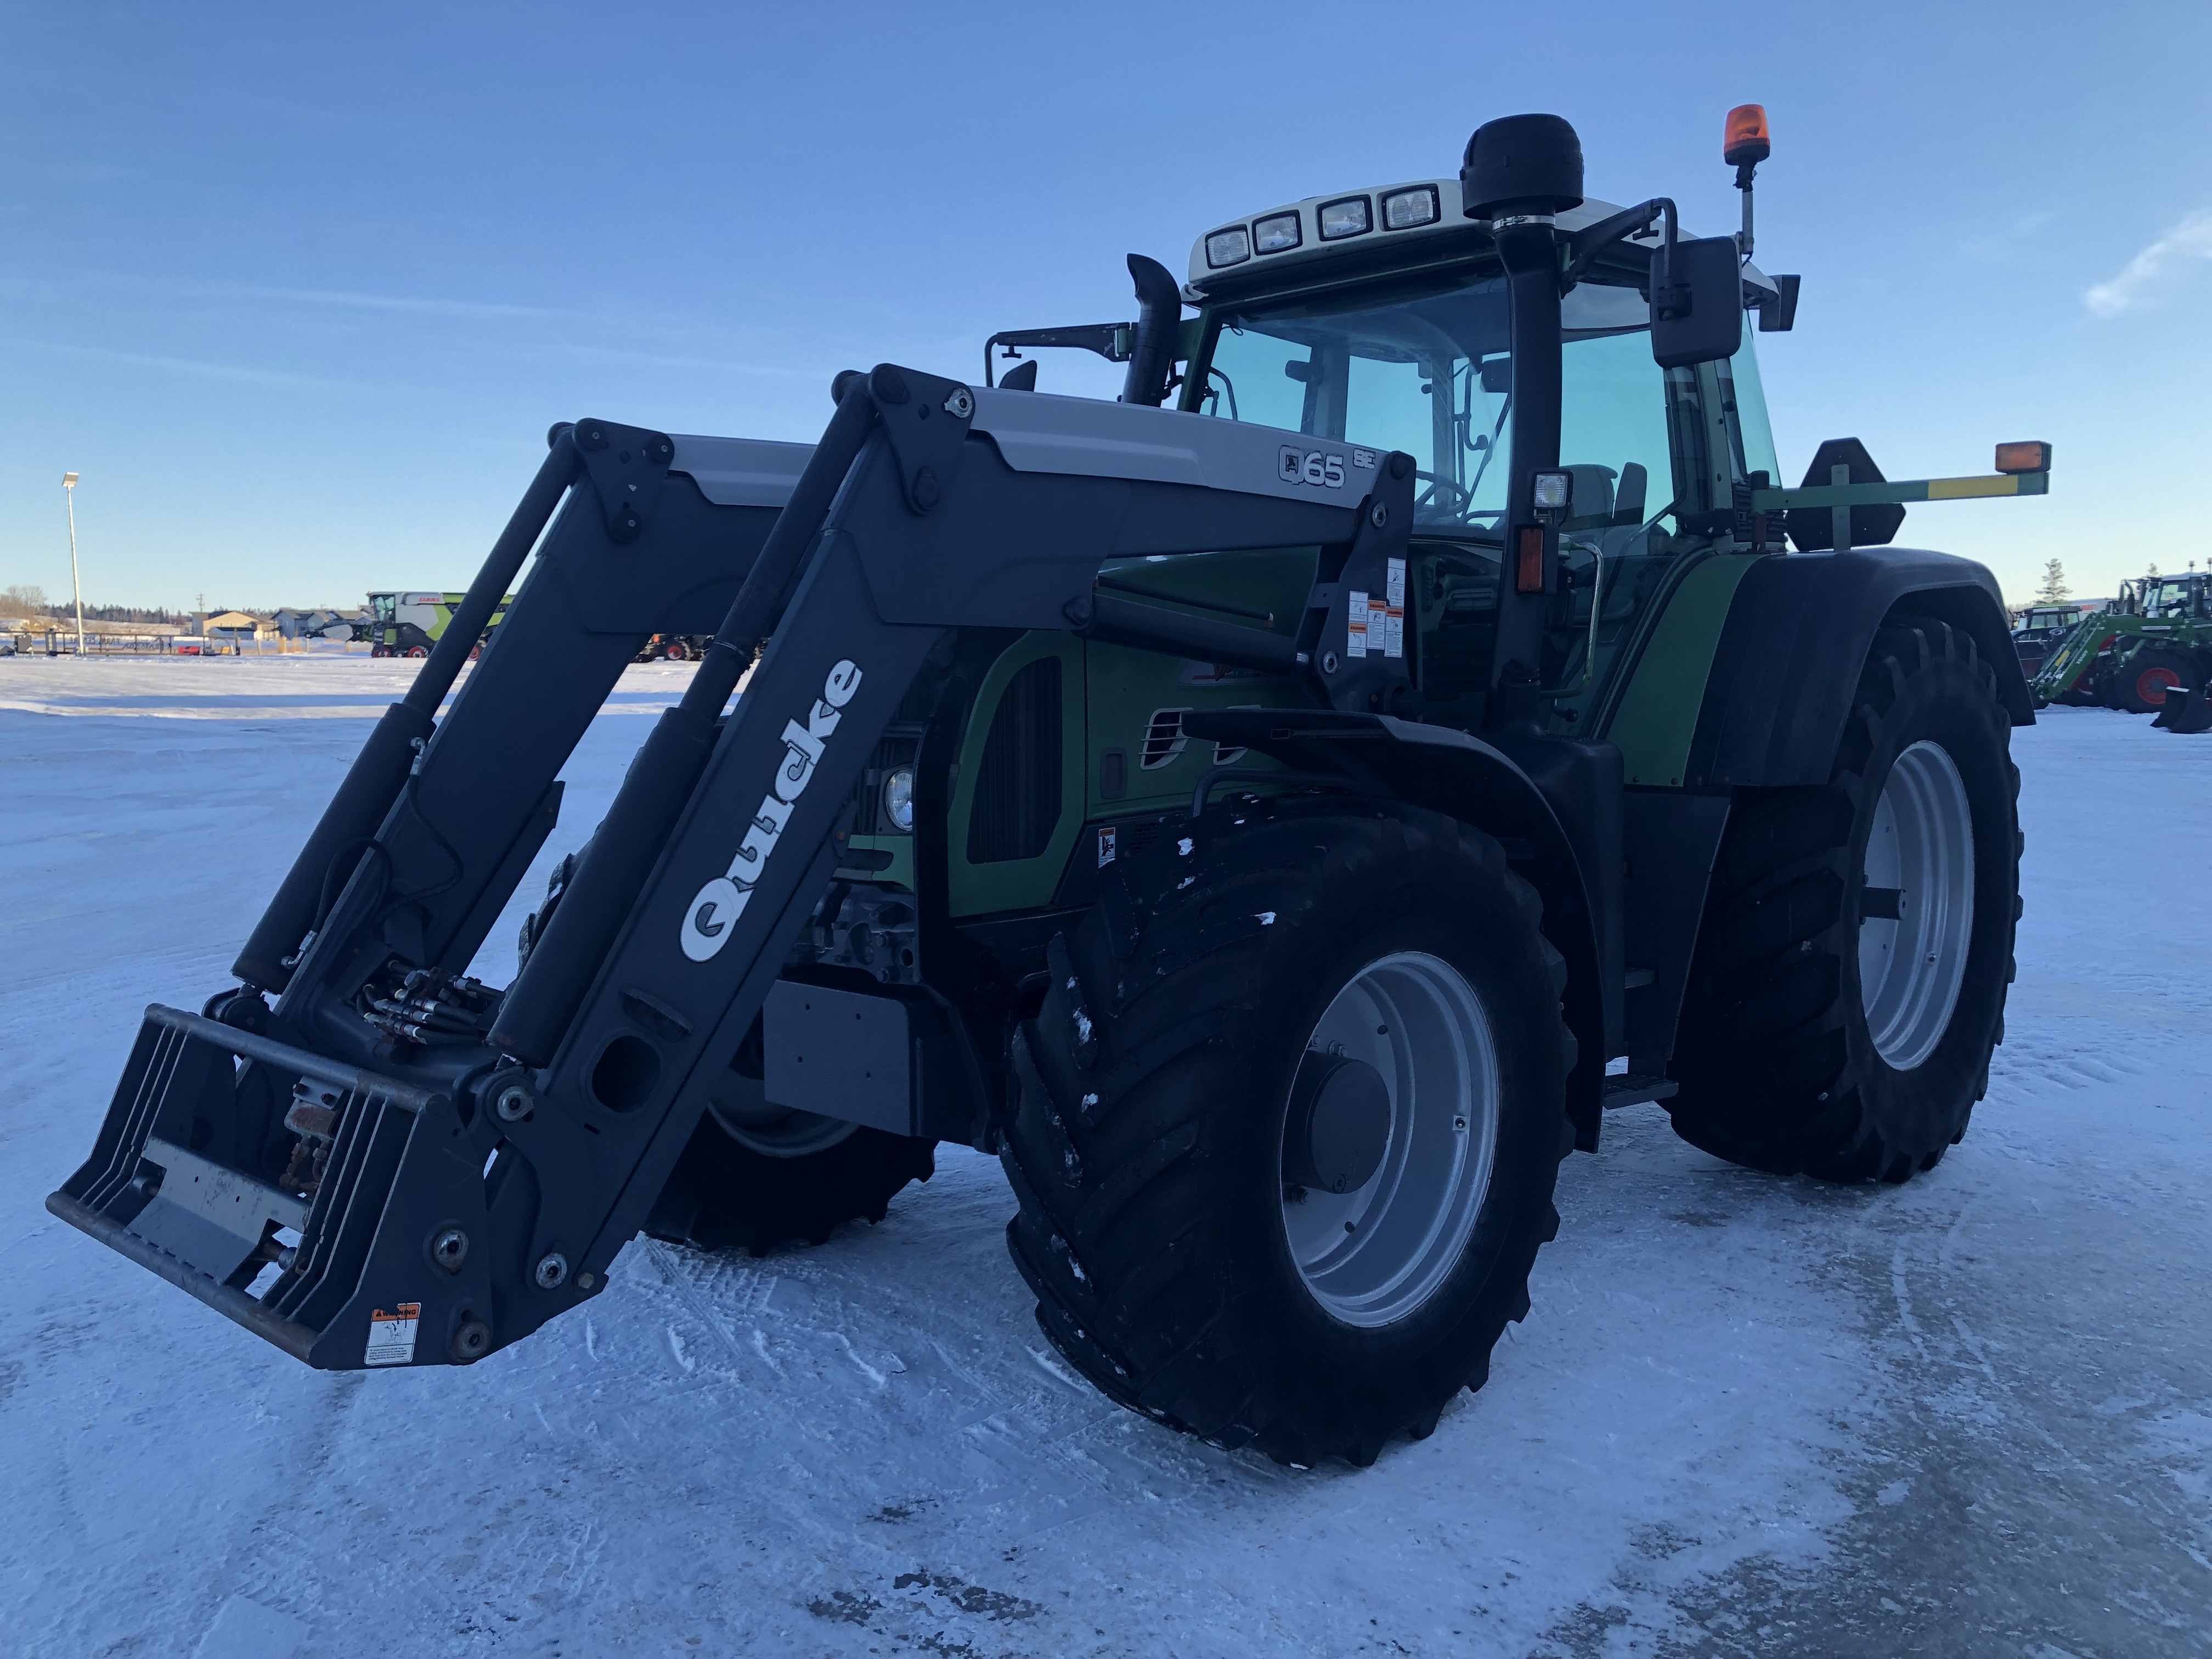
(1614, 431)
(1258, 377)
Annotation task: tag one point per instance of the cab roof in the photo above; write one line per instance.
(1320, 228)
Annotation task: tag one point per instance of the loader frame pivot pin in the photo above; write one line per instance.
(552, 1271)
(514, 1103)
(450, 1249)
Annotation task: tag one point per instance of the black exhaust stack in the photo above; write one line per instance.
(1518, 172)
(1159, 327)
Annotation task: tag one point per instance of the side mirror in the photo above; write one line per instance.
(1696, 302)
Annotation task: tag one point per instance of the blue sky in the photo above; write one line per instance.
(299, 292)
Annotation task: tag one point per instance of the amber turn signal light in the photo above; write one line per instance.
(2023, 458)
(1746, 144)
(1528, 560)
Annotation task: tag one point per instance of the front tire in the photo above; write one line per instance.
(1850, 974)
(2140, 685)
(1171, 1110)
(756, 1176)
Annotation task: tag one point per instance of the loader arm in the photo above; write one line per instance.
(460, 1165)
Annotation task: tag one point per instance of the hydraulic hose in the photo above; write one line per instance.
(378, 772)
(543, 1001)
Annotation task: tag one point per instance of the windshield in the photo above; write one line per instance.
(2170, 595)
(1423, 366)
(383, 606)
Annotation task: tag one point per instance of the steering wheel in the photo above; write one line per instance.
(1462, 499)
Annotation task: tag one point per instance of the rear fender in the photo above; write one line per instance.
(1785, 672)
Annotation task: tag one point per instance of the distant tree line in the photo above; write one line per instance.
(23, 600)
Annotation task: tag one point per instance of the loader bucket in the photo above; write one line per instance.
(180, 1182)
(2186, 709)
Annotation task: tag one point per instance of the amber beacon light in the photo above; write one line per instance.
(1746, 144)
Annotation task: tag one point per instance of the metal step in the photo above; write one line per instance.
(1634, 1088)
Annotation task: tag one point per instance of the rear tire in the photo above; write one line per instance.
(1168, 1249)
(1809, 1045)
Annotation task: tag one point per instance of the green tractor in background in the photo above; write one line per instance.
(2038, 631)
(2151, 646)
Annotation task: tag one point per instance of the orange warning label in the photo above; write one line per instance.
(392, 1336)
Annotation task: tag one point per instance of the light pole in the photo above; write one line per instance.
(69, 489)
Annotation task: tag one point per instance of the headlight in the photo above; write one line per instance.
(1276, 233)
(1402, 209)
(1231, 246)
(1349, 217)
(898, 799)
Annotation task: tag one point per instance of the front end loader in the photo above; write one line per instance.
(2149, 652)
(1278, 826)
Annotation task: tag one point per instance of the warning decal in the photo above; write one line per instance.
(392, 1336)
(1370, 625)
(1394, 618)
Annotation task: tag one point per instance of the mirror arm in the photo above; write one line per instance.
(1587, 244)
(1112, 340)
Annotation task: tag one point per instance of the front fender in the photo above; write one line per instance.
(1576, 868)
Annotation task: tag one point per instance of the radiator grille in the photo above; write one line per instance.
(1016, 805)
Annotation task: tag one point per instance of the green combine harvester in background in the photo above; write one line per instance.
(2149, 653)
(402, 624)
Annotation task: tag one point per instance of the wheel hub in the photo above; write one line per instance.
(1340, 1124)
(1397, 1096)
(1916, 905)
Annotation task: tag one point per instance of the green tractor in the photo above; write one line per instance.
(2151, 645)
(1278, 825)
(410, 624)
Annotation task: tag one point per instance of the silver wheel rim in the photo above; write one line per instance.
(778, 1131)
(1911, 967)
(1374, 1255)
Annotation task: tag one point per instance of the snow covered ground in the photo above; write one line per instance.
(1747, 1416)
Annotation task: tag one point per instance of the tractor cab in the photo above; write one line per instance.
(2187, 597)
(1383, 319)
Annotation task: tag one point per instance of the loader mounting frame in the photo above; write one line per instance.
(486, 1155)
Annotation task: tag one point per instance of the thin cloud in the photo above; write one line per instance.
(2004, 243)
(190, 365)
(2140, 282)
(401, 302)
